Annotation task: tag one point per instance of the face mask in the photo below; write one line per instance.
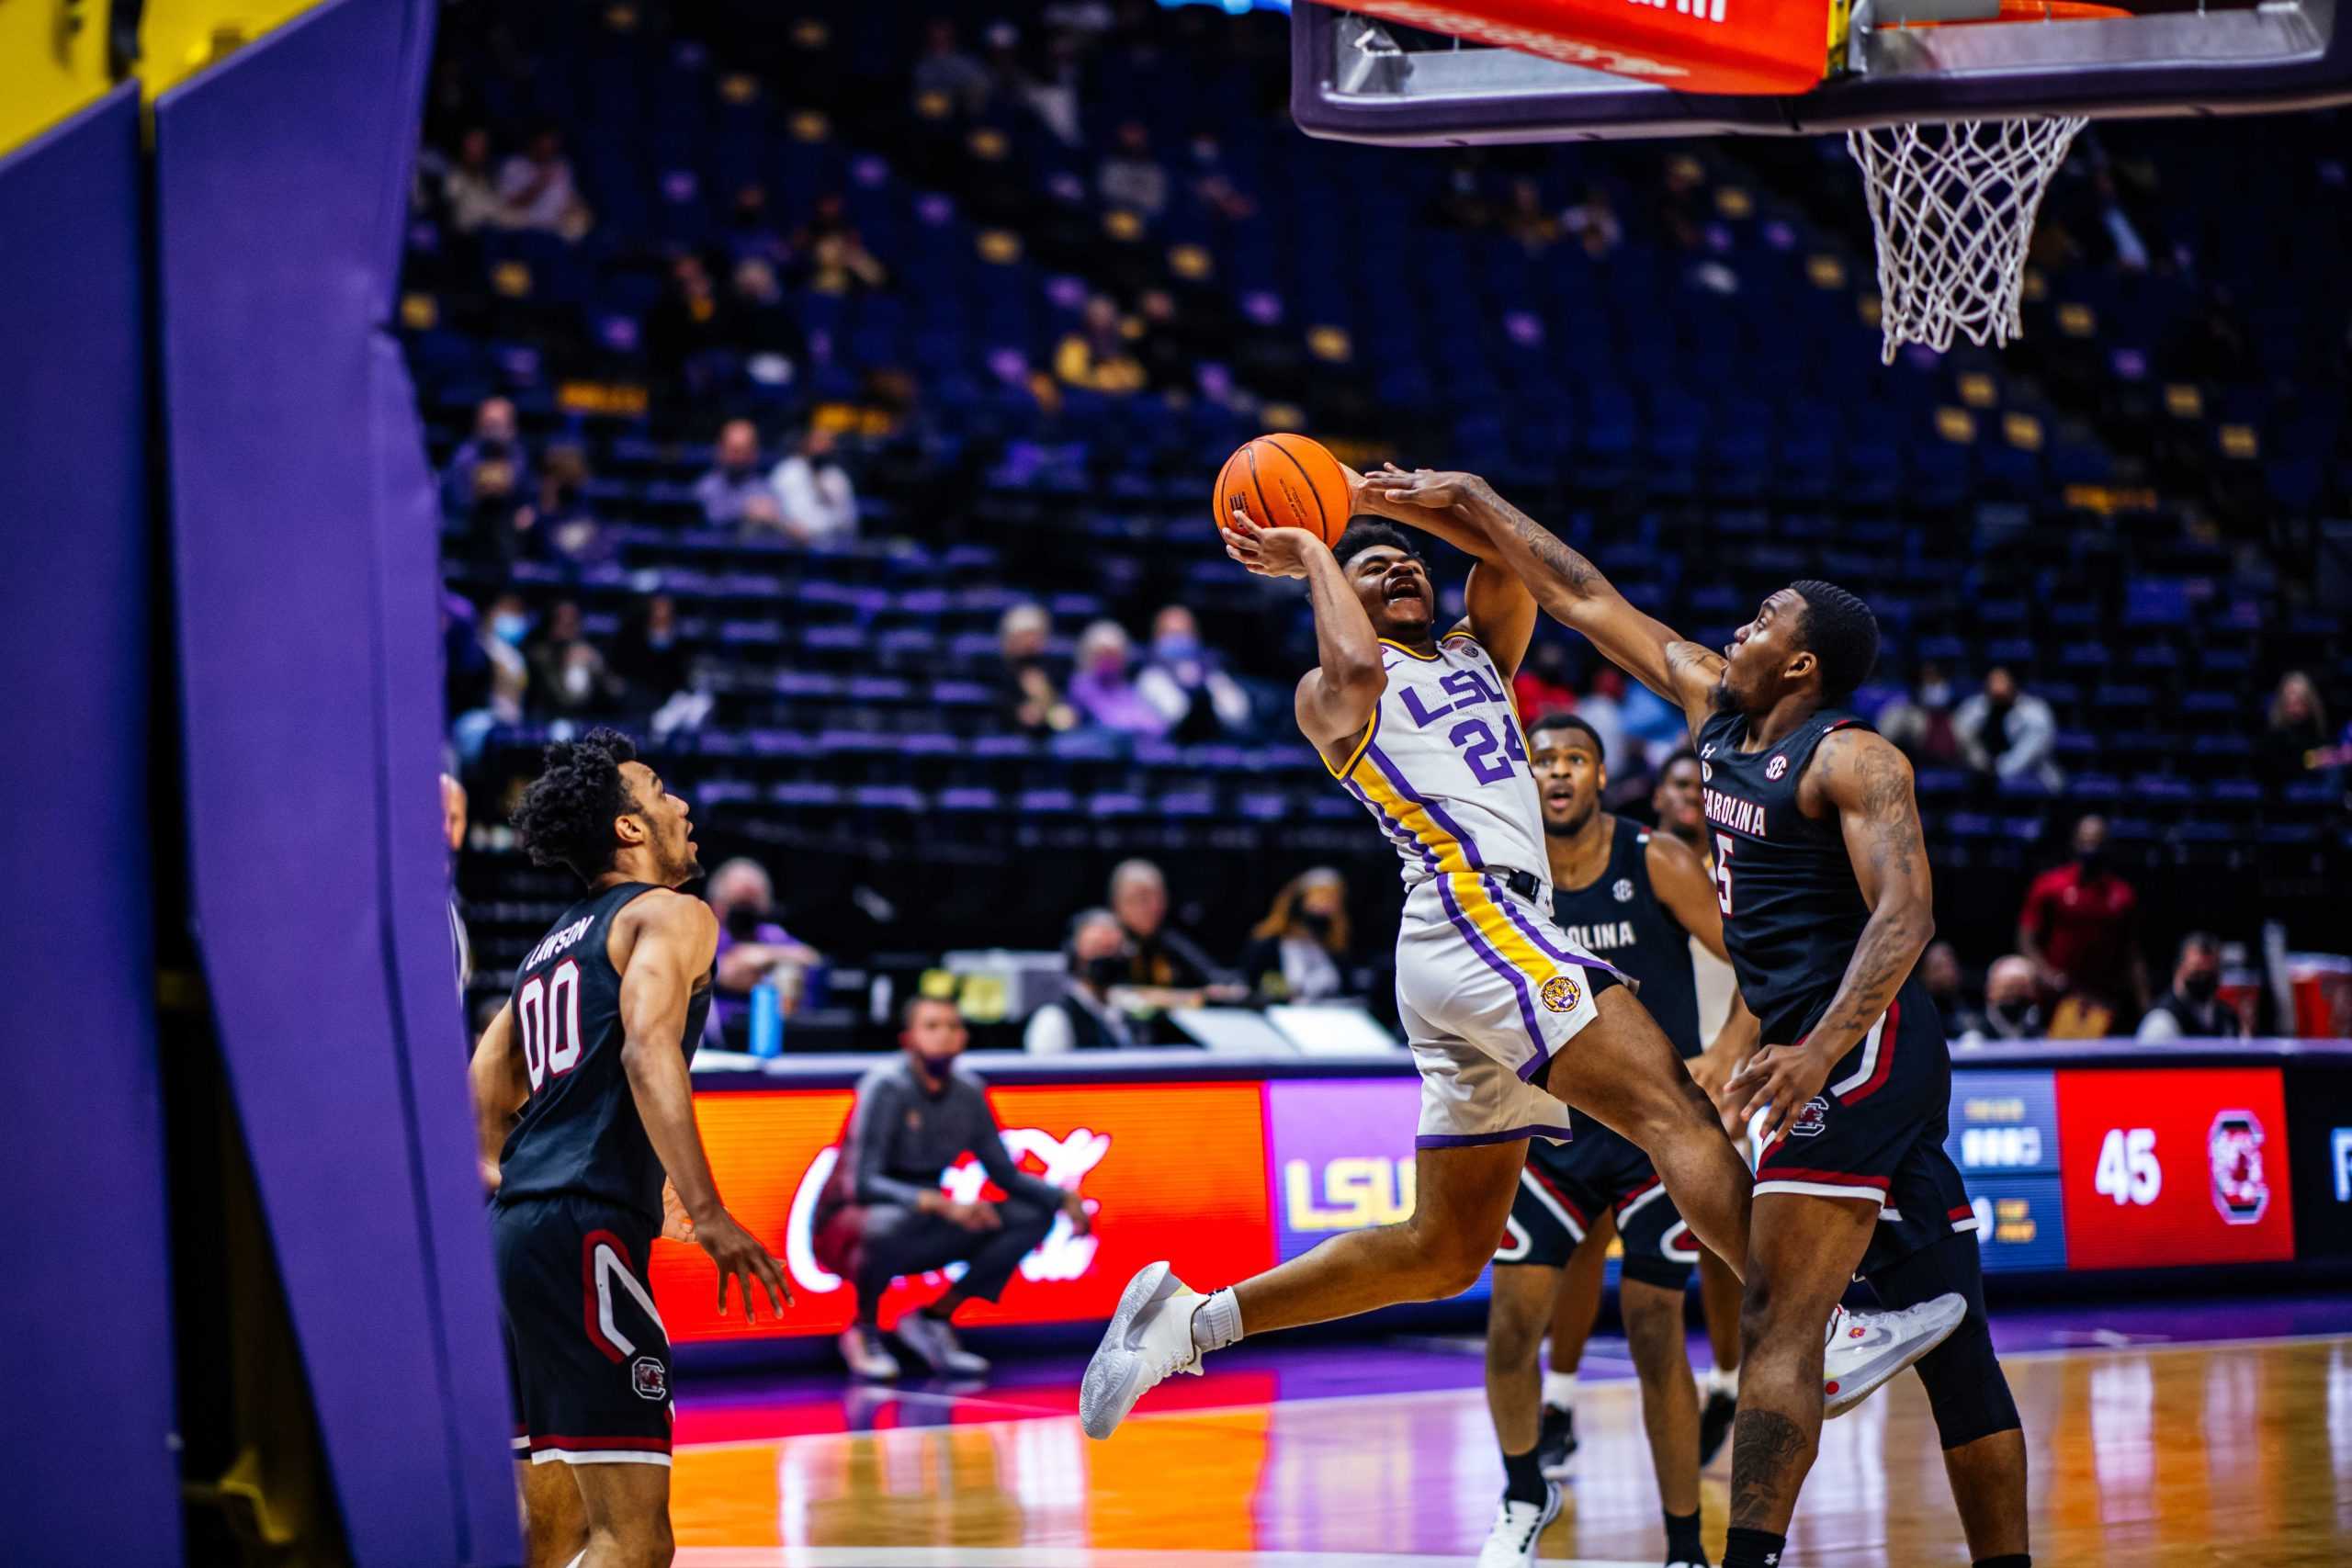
(1105, 972)
(1315, 923)
(2093, 861)
(1176, 645)
(2200, 988)
(743, 922)
(2015, 1014)
(510, 628)
(659, 639)
(1936, 695)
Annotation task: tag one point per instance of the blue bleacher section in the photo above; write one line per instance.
(2124, 508)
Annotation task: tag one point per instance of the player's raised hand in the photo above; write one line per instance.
(1777, 1081)
(1269, 552)
(741, 1258)
(1423, 490)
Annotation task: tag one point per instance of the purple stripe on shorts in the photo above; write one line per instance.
(1472, 1140)
(1437, 813)
(1533, 933)
(1500, 965)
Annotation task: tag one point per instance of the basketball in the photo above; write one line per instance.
(1284, 481)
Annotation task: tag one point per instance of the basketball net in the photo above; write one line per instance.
(1953, 207)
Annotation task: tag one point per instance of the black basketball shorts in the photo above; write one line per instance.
(1565, 1187)
(1876, 1131)
(585, 1349)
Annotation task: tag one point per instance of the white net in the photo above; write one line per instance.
(1953, 207)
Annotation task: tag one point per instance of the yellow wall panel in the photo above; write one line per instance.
(52, 63)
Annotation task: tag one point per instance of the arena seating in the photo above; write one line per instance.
(2123, 506)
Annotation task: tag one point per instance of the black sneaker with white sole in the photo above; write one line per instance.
(1555, 1440)
(1715, 1425)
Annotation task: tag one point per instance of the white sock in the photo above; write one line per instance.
(576, 1561)
(1723, 1382)
(1560, 1390)
(1216, 1322)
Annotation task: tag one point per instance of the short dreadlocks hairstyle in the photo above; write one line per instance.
(1369, 532)
(566, 816)
(1842, 633)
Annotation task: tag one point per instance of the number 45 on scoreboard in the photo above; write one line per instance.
(2128, 1171)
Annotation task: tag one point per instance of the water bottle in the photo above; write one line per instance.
(768, 1020)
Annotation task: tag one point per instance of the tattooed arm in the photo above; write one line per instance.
(1867, 783)
(1568, 587)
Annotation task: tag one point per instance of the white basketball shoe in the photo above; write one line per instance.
(1511, 1540)
(1864, 1349)
(1149, 1339)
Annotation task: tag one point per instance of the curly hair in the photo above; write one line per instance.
(566, 816)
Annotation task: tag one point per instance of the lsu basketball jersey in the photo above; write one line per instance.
(1443, 768)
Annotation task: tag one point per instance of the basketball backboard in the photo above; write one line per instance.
(1361, 77)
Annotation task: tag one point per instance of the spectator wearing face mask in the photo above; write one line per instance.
(2193, 1009)
(1182, 682)
(488, 481)
(569, 673)
(1920, 722)
(1299, 952)
(2012, 1008)
(1102, 691)
(884, 1215)
(1084, 1019)
(2006, 733)
(752, 946)
(2078, 927)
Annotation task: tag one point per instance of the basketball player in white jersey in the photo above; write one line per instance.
(1419, 728)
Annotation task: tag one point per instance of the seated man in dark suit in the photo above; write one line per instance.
(884, 1216)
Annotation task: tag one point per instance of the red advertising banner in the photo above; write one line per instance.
(1170, 1170)
(2162, 1167)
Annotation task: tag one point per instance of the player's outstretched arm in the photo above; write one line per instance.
(1496, 607)
(1867, 783)
(1570, 588)
(499, 1085)
(1336, 698)
(1683, 885)
(671, 943)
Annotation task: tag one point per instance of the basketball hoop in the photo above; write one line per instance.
(1953, 206)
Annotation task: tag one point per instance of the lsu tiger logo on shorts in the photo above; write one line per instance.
(1560, 994)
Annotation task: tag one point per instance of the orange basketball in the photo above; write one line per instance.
(1284, 481)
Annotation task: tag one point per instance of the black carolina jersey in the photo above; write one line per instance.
(1617, 918)
(1793, 910)
(580, 1131)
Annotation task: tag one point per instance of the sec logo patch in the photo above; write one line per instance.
(1776, 767)
(1560, 994)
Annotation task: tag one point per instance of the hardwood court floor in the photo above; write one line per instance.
(2171, 1456)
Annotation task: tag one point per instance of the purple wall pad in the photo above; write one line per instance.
(310, 676)
(87, 1304)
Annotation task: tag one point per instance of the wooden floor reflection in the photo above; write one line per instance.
(2163, 1458)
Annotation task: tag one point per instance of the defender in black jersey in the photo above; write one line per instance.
(1824, 884)
(584, 1102)
(1635, 899)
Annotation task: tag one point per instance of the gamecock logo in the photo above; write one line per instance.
(2234, 1148)
(650, 1378)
